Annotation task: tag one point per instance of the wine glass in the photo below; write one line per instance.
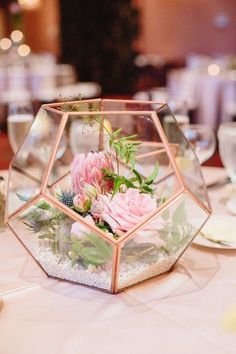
(19, 119)
(202, 139)
(227, 147)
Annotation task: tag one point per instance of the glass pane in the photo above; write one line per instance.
(22, 188)
(35, 151)
(63, 247)
(186, 159)
(159, 243)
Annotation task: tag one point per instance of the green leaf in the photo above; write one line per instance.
(91, 256)
(42, 204)
(153, 175)
(180, 215)
(117, 183)
(145, 188)
(130, 137)
(139, 178)
(101, 246)
(116, 133)
(132, 162)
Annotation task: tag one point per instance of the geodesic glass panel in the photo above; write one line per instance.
(35, 152)
(155, 247)
(185, 157)
(108, 173)
(21, 189)
(64, 247)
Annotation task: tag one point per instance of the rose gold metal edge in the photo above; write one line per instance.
(72, 214)
(150, 143)
(23, 207)
(28, 251)
(126, 236)
(169, 153)
(54, 151)
(156, 144)
(54, 110)
(55, 104)
(151, 153)
(198, 201)
(133, 113)
(101, 130)
(115, 269)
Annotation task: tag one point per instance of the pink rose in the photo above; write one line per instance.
(126, 210)
(87, 172)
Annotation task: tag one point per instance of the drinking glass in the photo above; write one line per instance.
(180, 111)
(202, 139)
(19, 119)
(227, 147)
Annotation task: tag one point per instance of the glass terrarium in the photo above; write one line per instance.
(106, 193)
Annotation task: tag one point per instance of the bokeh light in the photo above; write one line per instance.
(213, 69)
(23, 50)
(5, 43)
(29, 4)
(16, 36)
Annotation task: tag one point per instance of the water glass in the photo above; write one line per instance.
(202, 139)
(19, 119)
(227, 148)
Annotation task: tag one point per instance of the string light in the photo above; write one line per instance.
(29, 4)
(23, 50)
(16, 36)
(5, 43)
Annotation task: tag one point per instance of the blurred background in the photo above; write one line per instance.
(177, 51)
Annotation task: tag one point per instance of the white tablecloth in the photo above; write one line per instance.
(212, 96)
(181, 312)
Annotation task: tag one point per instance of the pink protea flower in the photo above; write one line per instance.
(87, 172)
(126, 210)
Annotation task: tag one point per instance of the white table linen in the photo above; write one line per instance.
(211, 96)
(177, 313)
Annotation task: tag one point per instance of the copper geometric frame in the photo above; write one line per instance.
(165, 145)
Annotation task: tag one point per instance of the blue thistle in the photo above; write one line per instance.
(66, 197)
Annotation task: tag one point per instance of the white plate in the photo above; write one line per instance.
(219, 227)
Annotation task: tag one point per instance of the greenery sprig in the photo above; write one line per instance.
(136, 181)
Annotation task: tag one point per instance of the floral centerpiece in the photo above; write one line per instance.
(112, 217)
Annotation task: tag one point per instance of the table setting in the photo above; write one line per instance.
(155, 228)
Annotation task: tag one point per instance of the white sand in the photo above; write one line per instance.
(129, 273)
